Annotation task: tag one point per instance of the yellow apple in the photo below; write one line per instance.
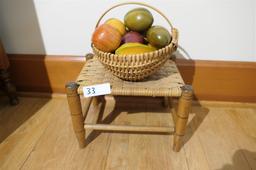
(116, 23)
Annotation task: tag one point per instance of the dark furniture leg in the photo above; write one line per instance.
(9, 87)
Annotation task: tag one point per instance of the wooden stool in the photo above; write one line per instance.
(167, 83)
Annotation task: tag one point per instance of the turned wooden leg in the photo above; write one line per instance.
(74, 103)
(9, 87)
(184, 107)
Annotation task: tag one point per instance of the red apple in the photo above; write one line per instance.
(132, 37)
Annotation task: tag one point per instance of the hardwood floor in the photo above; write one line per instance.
(38, 134)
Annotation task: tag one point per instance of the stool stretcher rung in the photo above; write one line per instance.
(131, 128)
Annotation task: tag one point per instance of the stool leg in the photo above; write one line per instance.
(184, 107)
(74, 103)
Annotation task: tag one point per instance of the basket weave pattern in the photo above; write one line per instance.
(134, 67)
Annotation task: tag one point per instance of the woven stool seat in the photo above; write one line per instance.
(165, 82)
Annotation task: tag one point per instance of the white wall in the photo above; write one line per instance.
(209, 29)
(19, 28)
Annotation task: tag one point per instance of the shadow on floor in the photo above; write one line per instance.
(12, 117)
(250, 158)
(198, 114)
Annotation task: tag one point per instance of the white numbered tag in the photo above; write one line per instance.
(96, 90)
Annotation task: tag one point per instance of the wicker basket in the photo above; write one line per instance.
(138, 66)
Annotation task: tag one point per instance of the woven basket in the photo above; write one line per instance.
(137, 66)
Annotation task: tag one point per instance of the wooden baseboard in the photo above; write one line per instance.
(40, 73)
(220, 80)
(212, 80)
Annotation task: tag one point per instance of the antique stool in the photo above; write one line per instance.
(166, 83)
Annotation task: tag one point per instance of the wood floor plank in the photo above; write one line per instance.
(17, 147)
(218, 137)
